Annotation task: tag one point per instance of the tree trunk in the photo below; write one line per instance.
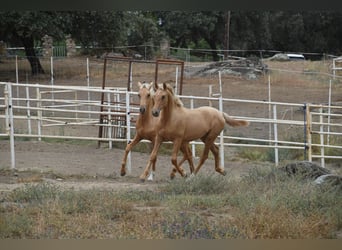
(212, 45)
(36, 67)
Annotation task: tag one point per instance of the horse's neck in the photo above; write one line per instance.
(146, 118)
(168, 113)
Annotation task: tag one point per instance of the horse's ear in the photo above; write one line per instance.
(139, 84)
(155, 86)
(151, 84)
(164, 86)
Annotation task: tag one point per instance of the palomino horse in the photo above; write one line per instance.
(146, 129)
(181, 125)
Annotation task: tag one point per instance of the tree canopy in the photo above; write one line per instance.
(304, 31)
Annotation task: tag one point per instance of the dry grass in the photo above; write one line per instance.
(206, 207)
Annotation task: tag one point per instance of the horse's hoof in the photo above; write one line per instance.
(190, 177)
(123, 173)
(224, 173)
(142, 180)
(172, 176)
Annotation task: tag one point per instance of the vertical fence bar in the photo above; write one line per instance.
(28, 112)
(176, 85)
(11, 124)
(17, 77)
(109, 128)
(6, 109)
(221, 134)
(329, 112)
(275, 128)
(52, 82)
(76, 106)
(305, 133)
(39, 113)
(210, 95)
(88, 85)
(193, 147)
(308, 131)
(128, 129)
(269, 108)
(321, 136)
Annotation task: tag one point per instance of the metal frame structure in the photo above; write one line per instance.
(122, 118)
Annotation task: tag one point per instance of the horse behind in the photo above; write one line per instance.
(146, 129)
(182, 125)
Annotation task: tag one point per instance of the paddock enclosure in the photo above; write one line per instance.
(294, 108)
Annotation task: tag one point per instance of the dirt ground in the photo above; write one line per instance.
(84, 166)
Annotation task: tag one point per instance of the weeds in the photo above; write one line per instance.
(204, 207)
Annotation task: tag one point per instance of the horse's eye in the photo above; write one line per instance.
(148, 95)
(139, 95)
(163, 97)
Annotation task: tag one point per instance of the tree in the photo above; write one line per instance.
(98, 28)
(24, 28)
(185, 28)
(143, 30)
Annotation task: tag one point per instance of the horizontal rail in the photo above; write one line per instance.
(59, 109)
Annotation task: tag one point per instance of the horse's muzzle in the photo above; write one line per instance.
(142, 109)
(155, 112)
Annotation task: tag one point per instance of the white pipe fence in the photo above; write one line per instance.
(71, 107)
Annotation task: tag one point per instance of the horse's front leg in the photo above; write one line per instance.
(129, 147)
(153, 158)
(176, 146)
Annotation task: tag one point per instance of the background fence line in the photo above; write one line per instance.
(51, 117)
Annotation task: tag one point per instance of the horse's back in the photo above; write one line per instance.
(202, 120)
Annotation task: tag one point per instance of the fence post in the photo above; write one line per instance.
(275, 128)
(221, 134)
(11, 124)
(28, 112)
(88, 85)
(17, 77)
(321, 135)
(329, 113)
(210, 95)
(109, 128)
(39, 113)
(193, 147)
(6, 109)
(52, 82)
(128, 130)
(308, 131)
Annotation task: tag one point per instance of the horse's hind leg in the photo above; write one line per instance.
(215, 150)
(203, 158)
(187, 155)
(208, 142)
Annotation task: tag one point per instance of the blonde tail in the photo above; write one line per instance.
(234, 122)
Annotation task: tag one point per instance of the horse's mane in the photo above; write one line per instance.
(175, 98)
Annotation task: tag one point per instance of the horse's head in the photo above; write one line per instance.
(144, 96)
(160, 98)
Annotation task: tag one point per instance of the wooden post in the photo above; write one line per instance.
(308, 131)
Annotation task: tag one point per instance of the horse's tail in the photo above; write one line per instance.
(234, 122)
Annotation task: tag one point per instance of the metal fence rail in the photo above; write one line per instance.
(49, 111)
